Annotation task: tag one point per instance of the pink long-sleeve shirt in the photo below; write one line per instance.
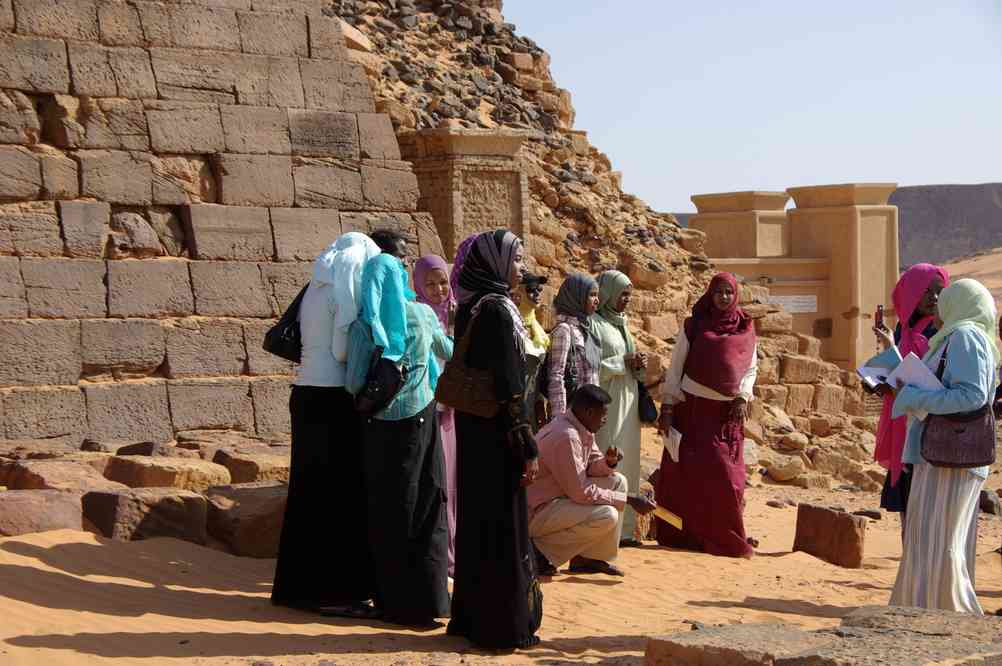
(568, 459)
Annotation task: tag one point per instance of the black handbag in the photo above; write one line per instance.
(382, 383)
(284, 339)
(648, 411)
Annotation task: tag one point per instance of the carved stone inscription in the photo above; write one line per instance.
(491, 200)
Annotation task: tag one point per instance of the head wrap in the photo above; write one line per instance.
(537, 334)
(721, 342)
(340, 266)
(384, 296)
(572, 297)
(487, 266)
(611, 285)
(457, 263)
(907, 294)
(424, 266)
(966, 304)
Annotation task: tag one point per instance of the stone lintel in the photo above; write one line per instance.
(450, 142)
(738, 202)
(847, 194)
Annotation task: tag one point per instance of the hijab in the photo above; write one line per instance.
(458, 261)
(537, 334)
(340, 266)
(966, 304)
(906, 297)
(572, 302)
(424, 266)
(611, 285)
(721, 342)
(384, 296)
(485, 273)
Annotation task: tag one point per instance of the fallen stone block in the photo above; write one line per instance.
(149, 288)
(301, 234)
(249, 467)
(128, 411)
(229, 232)
(39, 352)
(29, 511)
(65, 288)
(249, 129)
(834, 536)
(205, 348)
(223, 404)
(733, 645)
(150, 472)
(184, 127)
(35, 449)
(271, 406)
(13, 300)
(123, 348)
(57, 475)
(209, 442)
(39, 413)
(248, 517)
(144, 513)
(33, 64)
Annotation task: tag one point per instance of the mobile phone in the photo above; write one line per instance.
(878, 317)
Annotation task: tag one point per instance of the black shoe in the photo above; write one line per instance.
(630, 543)
(543, 566)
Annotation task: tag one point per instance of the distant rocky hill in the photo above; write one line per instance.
(940, 223)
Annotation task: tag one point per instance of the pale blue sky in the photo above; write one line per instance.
(714, 96)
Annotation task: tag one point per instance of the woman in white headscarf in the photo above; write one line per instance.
(326, 570)
(937, 566)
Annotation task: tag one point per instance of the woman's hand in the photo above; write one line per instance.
(739, 409)
(884, 337)
(664, 420)
(530, 471)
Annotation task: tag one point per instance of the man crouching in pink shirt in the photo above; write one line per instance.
(576, 500)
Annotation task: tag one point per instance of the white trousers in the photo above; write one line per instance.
(564, 529)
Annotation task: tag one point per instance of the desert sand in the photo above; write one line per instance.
(76, 598)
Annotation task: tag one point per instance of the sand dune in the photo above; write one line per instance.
(74, 598)
(987, 268)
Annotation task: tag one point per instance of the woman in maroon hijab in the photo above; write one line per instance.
(706, 394)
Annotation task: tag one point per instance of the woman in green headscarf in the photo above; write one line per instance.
(937, 565)
(621, 368)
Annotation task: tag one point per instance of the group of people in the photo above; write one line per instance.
(491, 504)
(953, 328)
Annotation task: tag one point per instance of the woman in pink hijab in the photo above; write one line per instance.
(915, 298)
(431, 283)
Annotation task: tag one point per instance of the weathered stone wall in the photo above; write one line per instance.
(167, 172)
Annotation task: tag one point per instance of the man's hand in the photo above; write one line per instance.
(641, 504)
(530, 472)
(739, 409)
(613, 456)
(664, 420)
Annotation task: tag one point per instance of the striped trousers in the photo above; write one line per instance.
(937, 565)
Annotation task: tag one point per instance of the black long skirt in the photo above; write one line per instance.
(408, 528)
(323, 555)
(496, 600)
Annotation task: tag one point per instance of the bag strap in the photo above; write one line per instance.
(292, 312)
(941, 370)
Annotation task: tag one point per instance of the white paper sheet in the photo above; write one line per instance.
(914, 372)
(872, 377)
(672, 441)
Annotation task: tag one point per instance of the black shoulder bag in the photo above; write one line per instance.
(284, 339)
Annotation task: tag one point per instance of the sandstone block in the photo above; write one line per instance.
(18, 119)
(204, 27)
(327, 184)
(40, 413)
(13, 302)
(646, 274)
(184, 127)
(283, 282)
(64, 288)
(776, 322)
(148, 512)
(128, 412)
(322, 85)
(229, 232)
(124, 348)
(800, 399)
(100, 71)
(301, 234)
(229, 288)
(182, 179)
(169, 230)
(133, 237)
(271, 406)
(248, 517)
(265, 33)
(7, 15)
(249, 130)
(828, 398)
(270, 81)
(831, 535)
(29, 511)
(205, 348)
(768, 371)
(149, 288)
(255, 180)
(390, 188)
(661, 326)
(376, 137)
(249, 467)
(324, 134)
(119, 24)
(20, 174)
(53, 18)
(34, 449)
(157, 449)
(116, 176)
(57, 475)
(181, 473)
(327, 41)
(33, 64)
(773, 395)
(733, 645)
(223, 404)
(39, 352)
(787, 469)
(260, 362)
(207, 76)
(800, 369)
(60, 178)
(84, 227)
